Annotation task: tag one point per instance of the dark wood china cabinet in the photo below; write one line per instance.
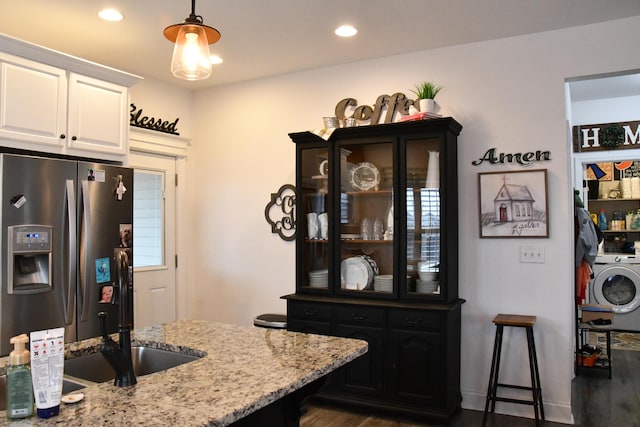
(377, 259)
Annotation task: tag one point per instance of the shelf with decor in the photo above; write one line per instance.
(387, 271)
(623, 222)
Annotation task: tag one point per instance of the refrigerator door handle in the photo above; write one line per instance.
(70, 295)
(86, 225)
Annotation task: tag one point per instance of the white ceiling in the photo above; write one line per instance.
(270, 37)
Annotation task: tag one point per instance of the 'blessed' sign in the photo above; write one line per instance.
(138, 120)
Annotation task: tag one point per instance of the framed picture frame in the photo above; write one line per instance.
(513, 204)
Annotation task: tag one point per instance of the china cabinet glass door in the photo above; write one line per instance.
(315, 222)
(366, 218)
(422, 192)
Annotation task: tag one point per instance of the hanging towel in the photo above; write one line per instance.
(583, 276)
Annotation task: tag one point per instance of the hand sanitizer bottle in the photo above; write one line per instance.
(19, 386)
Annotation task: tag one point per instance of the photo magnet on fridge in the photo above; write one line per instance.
(103, 270)
(126, 236)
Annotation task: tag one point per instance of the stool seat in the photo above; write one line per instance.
(270, 320)
(514, 320)
(519, 321)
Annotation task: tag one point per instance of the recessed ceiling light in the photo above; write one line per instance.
(215, 59)
(110, 15)
(346, 31)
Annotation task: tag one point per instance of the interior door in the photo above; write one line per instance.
(154, 240)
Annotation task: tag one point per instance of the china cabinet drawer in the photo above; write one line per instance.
(317, 312)
(414, 319)
(359, 315)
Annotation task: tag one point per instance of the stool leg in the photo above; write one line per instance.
(536, 388)
(493, 376)
(539, 384)
(609, 351)
(497, 375)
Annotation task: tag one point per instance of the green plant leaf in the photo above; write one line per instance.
(426, 90)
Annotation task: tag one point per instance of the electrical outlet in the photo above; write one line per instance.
(532, 254)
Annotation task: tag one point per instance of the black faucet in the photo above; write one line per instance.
(119, 355)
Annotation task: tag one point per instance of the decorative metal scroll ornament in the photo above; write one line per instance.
(280, 212)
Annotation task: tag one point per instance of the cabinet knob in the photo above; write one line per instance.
(63, 136)
(309, 312)
(74, 138)
(359, 316)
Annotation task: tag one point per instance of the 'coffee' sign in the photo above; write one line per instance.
(606, 136)
(390, 105)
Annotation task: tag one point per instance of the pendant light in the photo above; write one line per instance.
(192, 38)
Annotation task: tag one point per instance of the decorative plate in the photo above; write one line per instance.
(365, 176)
(355, 273)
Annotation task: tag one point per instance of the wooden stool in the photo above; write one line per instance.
(527, 322)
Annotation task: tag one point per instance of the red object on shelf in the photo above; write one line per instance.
(587, 360)
(420, 116)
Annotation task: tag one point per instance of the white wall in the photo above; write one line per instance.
(508, 94)
(611, 110)
(160, 100)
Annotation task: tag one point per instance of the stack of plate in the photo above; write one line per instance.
(426, 287)
(357, 272)
(383, 283)
(319, 278)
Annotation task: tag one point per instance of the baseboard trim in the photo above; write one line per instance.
(557, 412)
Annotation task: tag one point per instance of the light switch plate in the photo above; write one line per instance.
(532, 254)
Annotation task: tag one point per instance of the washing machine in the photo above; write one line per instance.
(616, 282)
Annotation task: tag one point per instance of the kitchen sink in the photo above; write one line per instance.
(146, 360)
(67, 387)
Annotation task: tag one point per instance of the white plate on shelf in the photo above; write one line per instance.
(383, 283)
(355, 273)
(365, 176)
(350, 236)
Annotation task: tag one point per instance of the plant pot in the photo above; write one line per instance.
(427, 106)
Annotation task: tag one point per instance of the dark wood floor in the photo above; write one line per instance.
(596, 400)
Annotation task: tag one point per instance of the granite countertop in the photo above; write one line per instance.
(242, 370)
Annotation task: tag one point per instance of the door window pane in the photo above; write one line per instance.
(148, 218)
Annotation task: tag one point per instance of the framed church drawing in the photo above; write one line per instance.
(513, 204)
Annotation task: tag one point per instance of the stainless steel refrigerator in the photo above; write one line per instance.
(63, 223)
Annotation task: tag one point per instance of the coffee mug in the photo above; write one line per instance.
(312, 225)
(323, 220)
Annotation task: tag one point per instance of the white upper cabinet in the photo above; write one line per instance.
(98, 115)
(33, 102)
(61, 104)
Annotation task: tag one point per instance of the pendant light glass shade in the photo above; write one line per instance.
(192, 38)
(191, 54)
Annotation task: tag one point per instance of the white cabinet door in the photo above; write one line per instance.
(98, 116)
(33, 102)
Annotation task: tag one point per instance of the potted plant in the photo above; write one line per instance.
(426, 92)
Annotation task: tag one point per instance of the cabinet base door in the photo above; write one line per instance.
(363, 376)
(416, 377)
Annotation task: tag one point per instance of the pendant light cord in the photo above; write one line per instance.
(193, 18)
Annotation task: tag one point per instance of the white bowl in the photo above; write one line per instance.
(428, 276)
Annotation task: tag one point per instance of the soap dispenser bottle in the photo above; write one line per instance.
(19, 386)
